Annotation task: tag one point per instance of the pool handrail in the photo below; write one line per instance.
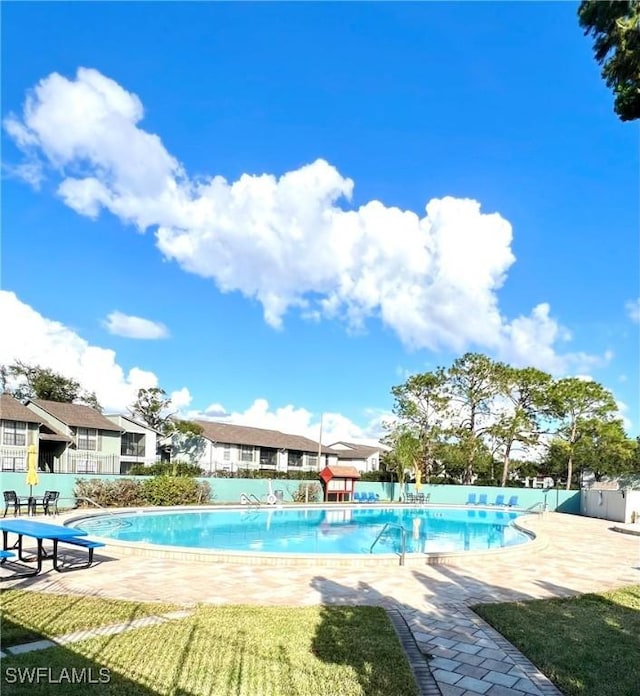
(93, 502)
(403, 536)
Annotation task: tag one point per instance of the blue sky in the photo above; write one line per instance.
(309, 276)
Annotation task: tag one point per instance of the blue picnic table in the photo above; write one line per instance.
(41, 531)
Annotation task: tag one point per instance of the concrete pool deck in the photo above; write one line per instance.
(469, 658)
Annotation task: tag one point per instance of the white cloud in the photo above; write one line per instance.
(180, 399)
(29, 171)
(36, 340)
(633, 309)
(623, 409)
(532, 340)
(288, 241)
(128, 326)
(297, 421)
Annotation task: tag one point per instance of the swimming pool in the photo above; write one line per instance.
(314, 530)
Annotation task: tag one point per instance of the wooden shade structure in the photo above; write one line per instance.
(339, 483)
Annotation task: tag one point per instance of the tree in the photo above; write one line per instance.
(406, 452)
(578, 405)
(615, 27)
(525, 392)
(421, 402)
(187, 440)
(35, 382)
(604, 449)
(472, 387)
(151, 406)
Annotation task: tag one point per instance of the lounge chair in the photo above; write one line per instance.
(471, 500)
(373, 497)
(499, 499)
(482, 499)
(513, 501)
(11, 499)
(357, 497)
(410, 498)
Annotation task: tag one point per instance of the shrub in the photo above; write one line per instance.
(176, 490)
(300, 495)
(160, 490)
(166, 469)
(264, 474)
(122, 492)
(376, 476)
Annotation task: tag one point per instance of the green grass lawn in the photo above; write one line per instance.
(218, 650)
(29, 616)
(587, 645)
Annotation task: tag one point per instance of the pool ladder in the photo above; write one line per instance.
(403, 537)
(251, 500)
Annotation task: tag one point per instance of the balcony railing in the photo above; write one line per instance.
(92, 463)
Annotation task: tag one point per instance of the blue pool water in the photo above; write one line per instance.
(321, 531)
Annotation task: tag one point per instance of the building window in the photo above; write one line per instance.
(226, 453)
(14, 433)
(87, 439)
(294, 458)
(312, 460)
(132, 445)
(14, 464)
(246, 453)
(268, 456)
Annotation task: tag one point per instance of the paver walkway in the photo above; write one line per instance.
(469, 658)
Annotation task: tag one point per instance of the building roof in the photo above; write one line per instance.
(226, 433)
(142, 424)
(48, 432)
(355, 450)
(339, 472)
(12, 409)
(78, 415)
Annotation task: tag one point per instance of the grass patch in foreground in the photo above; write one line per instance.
(239, 650)
(29, 616)
(587, 645)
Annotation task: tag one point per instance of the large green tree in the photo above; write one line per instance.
(524, 393)
(615, 27)
(579, 406)
(452, 421)
(422, 404)
(604, 449)
(36, 382)
(472, 388)
(152, 406)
